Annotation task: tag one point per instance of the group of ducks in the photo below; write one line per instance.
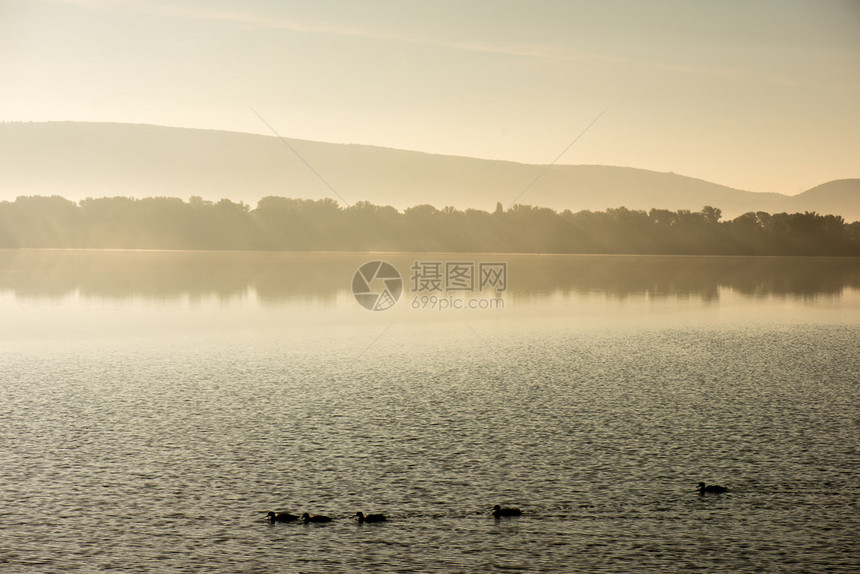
(318, 518)
(306, 518)
(497, 512)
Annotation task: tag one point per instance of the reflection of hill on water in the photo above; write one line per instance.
(321, 277)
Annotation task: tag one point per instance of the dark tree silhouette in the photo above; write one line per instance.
(279, 223)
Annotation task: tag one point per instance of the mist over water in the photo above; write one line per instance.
(156, 405)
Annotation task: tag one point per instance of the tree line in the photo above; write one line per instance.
(279, 223)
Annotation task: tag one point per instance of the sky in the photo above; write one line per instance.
(753, 94)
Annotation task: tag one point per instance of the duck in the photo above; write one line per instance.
(369, 518)
(281, 517)
(711, 488)
(498, 511)
(307, 518)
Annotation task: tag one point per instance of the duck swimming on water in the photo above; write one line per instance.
(711, 488)
(307, 518)
(369, 518)
(281, 517)
(498, 511)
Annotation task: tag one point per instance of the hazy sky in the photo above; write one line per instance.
(759, 95)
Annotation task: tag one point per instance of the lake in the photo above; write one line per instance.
(155, 405)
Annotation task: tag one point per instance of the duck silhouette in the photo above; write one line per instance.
(281, 517)
(711, 488)
(307, 518)
(499, 512)
(369, 518)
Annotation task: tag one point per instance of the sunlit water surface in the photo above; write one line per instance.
(148, 427)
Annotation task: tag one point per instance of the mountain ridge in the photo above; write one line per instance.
(90, 159)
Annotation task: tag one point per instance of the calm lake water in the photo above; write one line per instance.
(155, 405)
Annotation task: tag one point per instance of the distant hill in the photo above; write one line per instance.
(840, 196)
(78, 160)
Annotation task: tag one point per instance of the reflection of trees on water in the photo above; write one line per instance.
(666, 276)
(322, 277)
